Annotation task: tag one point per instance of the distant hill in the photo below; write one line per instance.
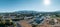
(31, 12)
(26, 12)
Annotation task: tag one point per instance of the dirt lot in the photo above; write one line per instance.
(25, 24)
(45, 24)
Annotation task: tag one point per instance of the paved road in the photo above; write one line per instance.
(18, 25)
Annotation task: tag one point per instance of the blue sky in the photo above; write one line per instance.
(34, 5)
